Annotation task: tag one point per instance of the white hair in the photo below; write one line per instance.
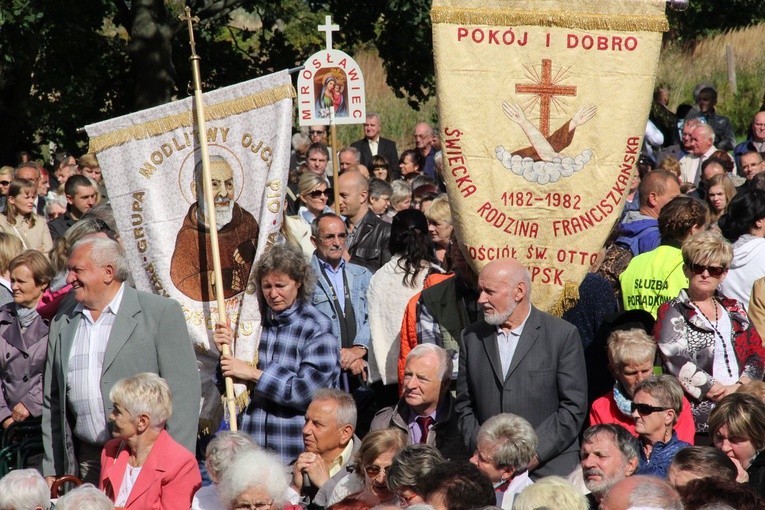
(223, 447)
(24, 489)
(144, 393)
(254, 468)
(104, 252)
(84, 497)
(445, 362)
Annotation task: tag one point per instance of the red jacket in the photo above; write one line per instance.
(168, 480)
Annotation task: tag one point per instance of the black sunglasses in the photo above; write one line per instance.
(645, 409)
(5, 183)
(714, 271)
(317, 193)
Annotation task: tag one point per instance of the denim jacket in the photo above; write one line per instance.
(358, 282)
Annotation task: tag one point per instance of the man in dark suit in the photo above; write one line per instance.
(374, 145)
(523, 361)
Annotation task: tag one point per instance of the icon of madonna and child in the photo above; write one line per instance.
(332, 92)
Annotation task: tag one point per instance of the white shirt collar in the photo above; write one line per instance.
(113, 306)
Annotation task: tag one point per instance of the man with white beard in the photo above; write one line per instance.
(523, 361)
(190, 269)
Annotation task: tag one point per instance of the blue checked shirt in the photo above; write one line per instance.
(298, 355)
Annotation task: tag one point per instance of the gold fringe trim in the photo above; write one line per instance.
(243, 400)
(206, 426)
(562, 19)
(170, 123)
(568, 299)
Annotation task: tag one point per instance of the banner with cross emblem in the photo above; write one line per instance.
(542, 115)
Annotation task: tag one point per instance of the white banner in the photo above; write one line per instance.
(152, 167)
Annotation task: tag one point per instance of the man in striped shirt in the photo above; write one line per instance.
(108, 332)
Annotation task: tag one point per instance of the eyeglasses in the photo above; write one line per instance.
(253, 506)
(714, 271)
(645, 409)
(313, 133)
(373, 470)
(5, 183)
(317, 193)
(331, 237)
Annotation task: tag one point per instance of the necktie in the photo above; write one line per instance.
(424, 422)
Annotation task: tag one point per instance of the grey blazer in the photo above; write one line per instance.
(546, 384)
(149, 335)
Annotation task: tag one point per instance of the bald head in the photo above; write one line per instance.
(354, 190)
(353, 179)
(505, 292)
(423, 137)
(641, 491)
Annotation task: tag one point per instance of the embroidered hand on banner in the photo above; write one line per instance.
(543, 162)
(581, 116)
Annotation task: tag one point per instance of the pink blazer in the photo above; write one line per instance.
(168, 479)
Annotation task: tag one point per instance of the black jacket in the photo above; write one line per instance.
(370, 242)
(757, 474)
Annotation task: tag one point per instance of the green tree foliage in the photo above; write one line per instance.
(708, 17)
(64, 64)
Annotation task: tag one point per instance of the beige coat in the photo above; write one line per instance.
(757, 307)
(33, 238)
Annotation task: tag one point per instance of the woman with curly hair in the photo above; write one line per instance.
(297, 354)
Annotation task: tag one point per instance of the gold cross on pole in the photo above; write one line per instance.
(188, 18)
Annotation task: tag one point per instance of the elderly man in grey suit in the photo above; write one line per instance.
(523, 361)
(110, 331)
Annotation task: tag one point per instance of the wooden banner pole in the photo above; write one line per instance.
(209, 201)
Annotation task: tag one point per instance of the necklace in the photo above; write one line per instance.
(717, 332)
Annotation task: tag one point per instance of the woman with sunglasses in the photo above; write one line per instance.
(373, 460)
(706, 339)
(656, 406)
(737, 427)
(744, 226)
(314, 194)
(6, 176)
(631, 355)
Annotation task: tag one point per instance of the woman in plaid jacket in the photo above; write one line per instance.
(297, 354)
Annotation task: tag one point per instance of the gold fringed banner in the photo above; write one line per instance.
(560, 19)
(152, 166)
(542, 115)
(218, 111)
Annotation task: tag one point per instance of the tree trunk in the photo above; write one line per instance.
(151, 54)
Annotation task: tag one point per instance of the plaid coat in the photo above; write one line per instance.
(298, 355)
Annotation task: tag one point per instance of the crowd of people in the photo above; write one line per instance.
(388, 371)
